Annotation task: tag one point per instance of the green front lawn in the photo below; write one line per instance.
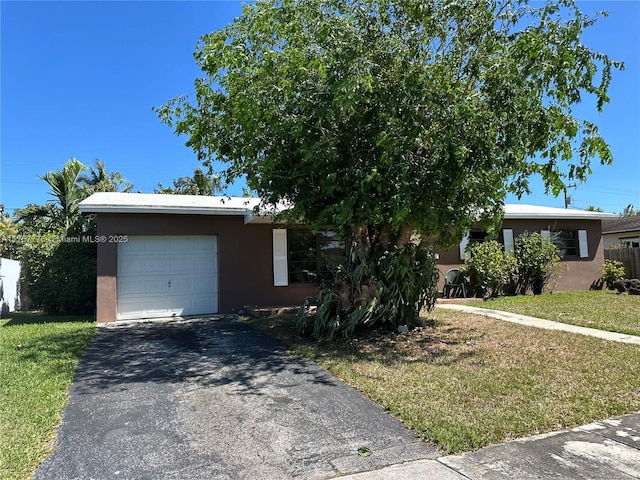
(464, 381)
(604, 310)
(38, 355)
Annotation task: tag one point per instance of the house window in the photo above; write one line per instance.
(313, 258)
(630, 242)
(566, 241)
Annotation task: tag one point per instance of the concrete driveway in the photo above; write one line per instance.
(215, 399)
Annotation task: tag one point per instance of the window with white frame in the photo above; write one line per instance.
(571, 243)
(301, 256)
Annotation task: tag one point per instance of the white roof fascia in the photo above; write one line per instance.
(116, 202)
(533, 212)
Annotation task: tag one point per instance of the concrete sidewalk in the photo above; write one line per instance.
(540, 323)
(609, 449)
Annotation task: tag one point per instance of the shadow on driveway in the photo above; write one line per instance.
(214, 398)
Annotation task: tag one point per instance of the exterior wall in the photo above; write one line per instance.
(245, 259)
(618, 240)
(575, 274)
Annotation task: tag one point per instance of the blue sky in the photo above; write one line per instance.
(78, 79)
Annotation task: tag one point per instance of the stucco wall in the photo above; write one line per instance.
(245, 263)
(575, 273)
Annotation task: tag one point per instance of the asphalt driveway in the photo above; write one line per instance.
(215, 399)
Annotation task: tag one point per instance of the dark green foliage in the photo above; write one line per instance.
(56, 249)
(494, 272)
(490, 269)
(59, 277)
(537, 261)
(391, 290)
(382, 119)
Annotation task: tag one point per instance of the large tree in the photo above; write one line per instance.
(387, 118)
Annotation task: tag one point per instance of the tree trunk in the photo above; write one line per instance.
(363, 242)
(405, 234)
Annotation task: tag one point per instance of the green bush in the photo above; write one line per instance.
(390, 290)
(612, 271)
(59, 277)
(537, 261)
(490, 269)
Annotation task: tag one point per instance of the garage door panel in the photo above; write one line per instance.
(156, 287)
(207, 303)
(131, 308)
(203, 244)
(167, 275)
(181, 244)
(204, 263)
(157, 306)
(204, 285)
(181, 264)
(157, 244)
(181, 286)
(131, 266)
(128, 287)
(156, 265)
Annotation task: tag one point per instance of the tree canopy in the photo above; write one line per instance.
(395, 113)
(392, 120)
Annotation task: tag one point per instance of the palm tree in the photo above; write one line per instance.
(99, 179)
(66, 188)
(199, 184)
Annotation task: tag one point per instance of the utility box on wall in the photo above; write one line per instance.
(9, 285)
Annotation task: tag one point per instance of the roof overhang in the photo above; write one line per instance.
(146, 203)
(517, 211)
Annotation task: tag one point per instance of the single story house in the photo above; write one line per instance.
(621, 232)
(167, 255)
(576, 233)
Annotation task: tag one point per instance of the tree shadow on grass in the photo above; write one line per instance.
(33, 318)
(429, 342)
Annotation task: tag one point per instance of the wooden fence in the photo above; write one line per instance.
(629, 256)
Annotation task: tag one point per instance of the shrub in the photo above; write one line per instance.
(490, 269)
(59, 277)
(393, 288)
(537, 261)
(612, 271)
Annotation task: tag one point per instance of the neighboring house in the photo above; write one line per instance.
(9, 285)
(621, 232)
(166, 255)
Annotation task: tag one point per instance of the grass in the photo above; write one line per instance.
(38, 355)
(604, 310)
(464, 381)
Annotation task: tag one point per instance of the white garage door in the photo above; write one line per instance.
(167, 275)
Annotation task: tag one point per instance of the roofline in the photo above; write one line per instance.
(578, 215)
(162, 209)
(628, 230)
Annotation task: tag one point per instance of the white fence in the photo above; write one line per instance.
(9, 285)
